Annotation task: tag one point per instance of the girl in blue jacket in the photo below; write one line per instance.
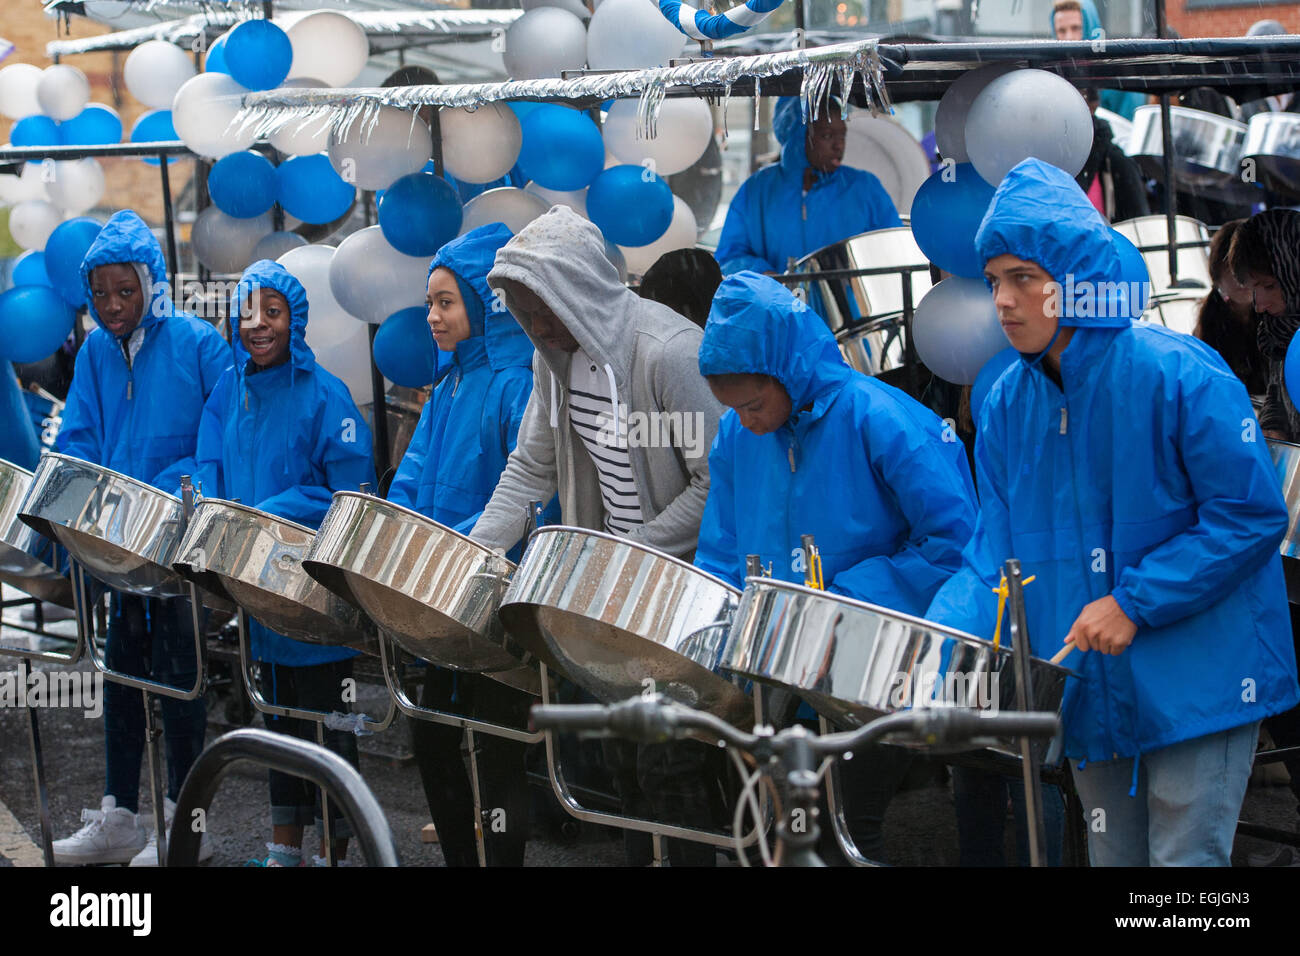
(465, 434)
(281, 434)
(140, 381)
(1123, 466)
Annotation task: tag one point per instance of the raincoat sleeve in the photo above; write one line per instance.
(214, 357)
(82, 431)
(931, 486)
(506, 421)
(405, 487)
(1241, 516)
(736, 251)
(212, 428)
(717, 551)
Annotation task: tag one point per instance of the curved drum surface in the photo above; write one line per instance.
(435, 591)
(854, 662)
(622, 619)
(256, 560)
(1207, 150)
(1193, 239)
(27, 559)
(1273, 142)
(847, 302)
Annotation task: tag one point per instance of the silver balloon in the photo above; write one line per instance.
(682, 135)
(32, 221)
(155, 71)
(950, 117)
(681, 234)
(514, 207)
(576, 7)
(63, 91)
(18, 90)
(77, 184)
(375, 156)
(480, 146)
(631, 35)
(956, 330)
(1028, 113)
(330, 323)
(372, 280)
(303, 137)
(225, 244)
(575, 200)
(203, 113)
(277, 244)
(543, 43)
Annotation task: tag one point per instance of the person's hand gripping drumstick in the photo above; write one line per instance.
(1102, 626)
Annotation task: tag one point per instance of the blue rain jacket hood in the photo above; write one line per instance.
(1143, 477)
(1091, 21)
(140, 416)
(469, 425)
(282, 439)
(868, 471)
(771, 219)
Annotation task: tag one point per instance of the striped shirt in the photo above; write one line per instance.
(592, 415)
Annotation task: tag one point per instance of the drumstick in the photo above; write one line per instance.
(1062, 654)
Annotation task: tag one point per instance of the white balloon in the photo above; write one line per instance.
(276, 245)
(576, 7)
(155, 71)
(225, 244)
(18, 90)
(63, 91)
(630, 35)
(349, 360)
(683, 133)
(577, 200)
(515, 207)
(77, 185)
(202, 113)
(681, 234)
(1028, 113)
(372, 280)
(374, 157)
(955, 329)
(543, 43)
(481, 146)
(303, 137)
(328, 46)
(328, 323)
(32, 221)
(30, 184)
(950, 117)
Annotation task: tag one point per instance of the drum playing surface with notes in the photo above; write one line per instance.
(27, 559)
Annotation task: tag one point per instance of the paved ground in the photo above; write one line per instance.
(920, 826)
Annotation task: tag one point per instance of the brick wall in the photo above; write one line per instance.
(1229, 21)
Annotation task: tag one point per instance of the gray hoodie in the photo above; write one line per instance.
(649, 353)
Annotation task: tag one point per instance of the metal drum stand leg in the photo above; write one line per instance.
(835, 806)
(318, 716)
(1029, 753)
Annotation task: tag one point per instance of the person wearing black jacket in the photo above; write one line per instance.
(1123, 195)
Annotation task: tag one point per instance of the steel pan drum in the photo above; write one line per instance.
(256, 560)
(1180, 312)
(1207, 150)
(435, 591)
(1273, 142)
(27, 560)
(845, 302)
(854, 662)
(1193, 251)
(622, 619)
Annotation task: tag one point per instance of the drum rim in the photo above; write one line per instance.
(226, 503)
(405, 512)
(801, 262)
(647, 549)
(109, 472)
(6, 463)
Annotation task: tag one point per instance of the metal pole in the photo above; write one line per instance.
(152, 733)
(381, 411)
(1024, 702)
(38, 771)
(173, 258)
(1167, 159)
(480, 846)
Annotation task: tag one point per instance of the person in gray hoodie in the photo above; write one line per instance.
(619, 424)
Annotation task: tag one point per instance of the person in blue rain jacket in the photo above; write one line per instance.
(1123, 466)
(138, 387)
(281, 434)
(811, 446)
(806, 201)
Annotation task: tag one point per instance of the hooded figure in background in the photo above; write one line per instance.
(18, 441)
(1078, 20)
(1123, 466)
(806, 201)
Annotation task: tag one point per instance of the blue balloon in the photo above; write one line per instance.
(215, 60)
(993, 368)
(34, 322)
(64, 250)
(96, 125)
(562, 148)
(34, 131)
(947, 214)
(243, 184)
(522, 108)
(29, 269)
(1133, 272)
(404, 351)
(310, 189)
(258, 54)
(1290, 369)
(419, 214)
(155, 126)
(631, 205)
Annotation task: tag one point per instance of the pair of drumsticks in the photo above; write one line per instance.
(1003, 592)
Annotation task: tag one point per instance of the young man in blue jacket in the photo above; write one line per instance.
(460, 447)
(137, 394)
(1123, 466)
(811, 446)
(282, 434)
(806, 201)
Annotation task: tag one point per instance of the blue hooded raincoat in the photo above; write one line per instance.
(1145, 478)
(282, 440)
(771, 219)
(868, 471)
(141, 419)
(468, 426)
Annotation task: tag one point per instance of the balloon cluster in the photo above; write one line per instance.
(38, 310)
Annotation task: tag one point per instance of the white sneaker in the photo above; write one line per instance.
(149, 855)
(112, 834)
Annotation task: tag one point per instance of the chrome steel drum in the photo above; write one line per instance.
(435, 591)
(1286, 458)
(1120, 128)
(876, 346)
(1192, 237)
(846, 302)
(1180, 312)
(256, 560)
(1273, 142)
(123, 531)
(623, 619)
(27, 560)
(1207, 149)
(854, 662)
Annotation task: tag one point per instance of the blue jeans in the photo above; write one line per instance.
(1185, 809)
(154, 638)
